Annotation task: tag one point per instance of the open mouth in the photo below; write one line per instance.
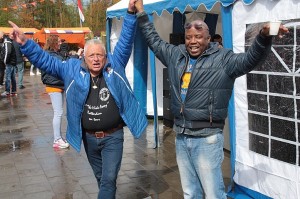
(194, 49)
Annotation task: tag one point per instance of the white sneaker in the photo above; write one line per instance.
(5, 94)
(60, 143)
(38, 73)
(32, 74)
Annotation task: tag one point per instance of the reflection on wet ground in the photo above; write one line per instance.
(30, 168)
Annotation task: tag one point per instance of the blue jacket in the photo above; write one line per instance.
(76, 79)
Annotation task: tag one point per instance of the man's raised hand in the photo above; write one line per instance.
(18, 34)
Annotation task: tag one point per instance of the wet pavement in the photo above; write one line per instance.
(30, 168)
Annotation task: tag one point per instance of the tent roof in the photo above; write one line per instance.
(151, 6)
(74, 35)
(7, 30)
(73, 30)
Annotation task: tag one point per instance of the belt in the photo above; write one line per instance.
(102, 134)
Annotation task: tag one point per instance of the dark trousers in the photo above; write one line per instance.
(2, 73)
(105, 156)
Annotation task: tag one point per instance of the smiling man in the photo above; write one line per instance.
(99, 99)
(201, 76)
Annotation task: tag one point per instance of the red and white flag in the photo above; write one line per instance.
(80, 11)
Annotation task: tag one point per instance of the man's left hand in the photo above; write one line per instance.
(281, 32)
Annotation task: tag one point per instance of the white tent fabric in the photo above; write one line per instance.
(166, 28)
(269, 176)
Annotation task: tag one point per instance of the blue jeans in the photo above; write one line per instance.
(20, 67)
(105, 156)
(10, 79)
(57, 100)
(199, 161)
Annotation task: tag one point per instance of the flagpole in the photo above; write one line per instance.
(80, 11)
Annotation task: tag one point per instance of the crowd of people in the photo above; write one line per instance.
(100, 101)
(10, 55)
(12, 62)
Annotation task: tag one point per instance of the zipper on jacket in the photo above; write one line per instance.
(210, 107)
(181, 113)
(128, 87)
(180, 82)
(69, 87)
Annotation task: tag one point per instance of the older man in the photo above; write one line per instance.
(99, 100)
(201, 77)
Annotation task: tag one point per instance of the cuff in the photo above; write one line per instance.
(139, 14)
(130, 12)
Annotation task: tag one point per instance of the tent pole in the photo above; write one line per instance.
(154, 96)
(108, 32)
(227, 41)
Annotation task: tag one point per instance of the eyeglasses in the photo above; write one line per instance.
(197, 26)
(94, 56)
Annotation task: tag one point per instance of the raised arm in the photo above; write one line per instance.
(162, 49)
(123, 49)
(242, 63)
(37, 56)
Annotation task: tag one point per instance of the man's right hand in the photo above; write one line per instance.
(131, 6)
(18, 34)
(139, 5)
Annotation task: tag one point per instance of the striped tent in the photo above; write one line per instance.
(29, 32)
(74, 35)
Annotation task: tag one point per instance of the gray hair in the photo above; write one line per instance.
(93, 42)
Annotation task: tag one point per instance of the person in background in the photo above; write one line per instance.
(31, 73)
(2, 65)
(20, 63)
(55, 89)
(10, 67)
(99, 99)
(217, 38)
(202, 76)
(31, 70)
(64, 49)
(76, 55)
(73, 54)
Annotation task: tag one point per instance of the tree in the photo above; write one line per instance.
(6, 12)
(55, 13)
(96, 15)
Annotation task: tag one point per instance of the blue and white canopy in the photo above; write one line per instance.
(159, 6)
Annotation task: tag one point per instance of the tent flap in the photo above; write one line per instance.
(158, 6)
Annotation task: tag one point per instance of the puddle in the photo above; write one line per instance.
(9, 119)
(65, 196)
(8, 136)
(61, 152)
(14, 146)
